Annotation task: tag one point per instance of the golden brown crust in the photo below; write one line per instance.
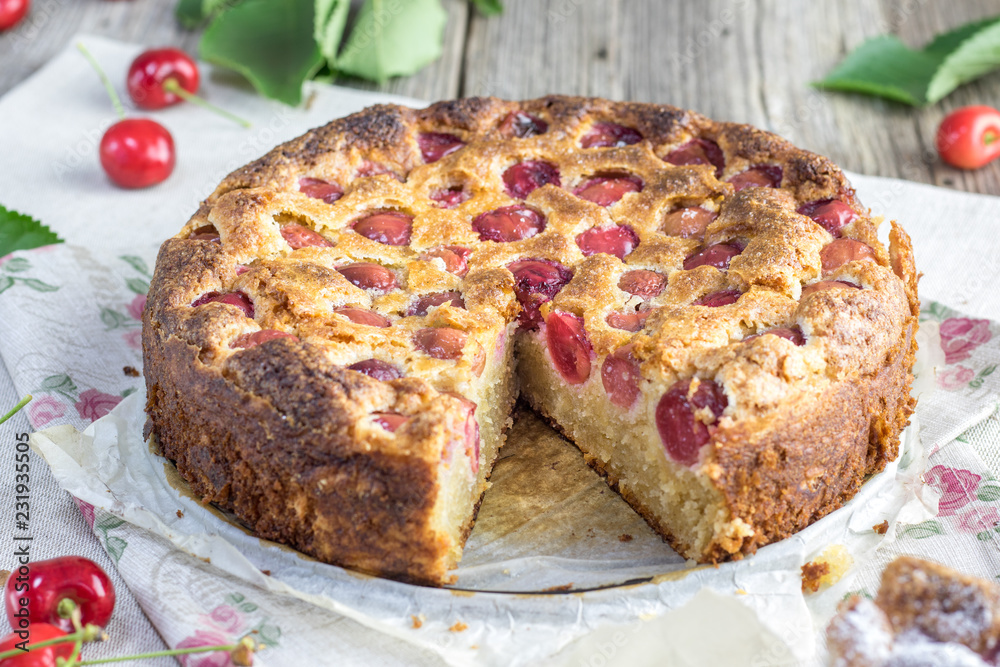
(313, 418)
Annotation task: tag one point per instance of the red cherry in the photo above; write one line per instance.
(206, 233)
(967, 137)
(606, 190)
(440, 342)
(682, 433)
(509, 223)
(830, 214)
(258, 337)
(642, 283)
(153, 68)
(298, 236)
(471, 432)
(620, 376)
(320, 189)
(718, 255)
(609, 135)
(369, 276)
(238, 299)
(435, 145)
(137, 153)
(535, 282)
(688, 222)
(388, 227)
(699, 151)
(421, 305)
(842, 251)
(617, 240)
(378, 369)
(793, 334)
(47, 656)
(48, 582)
(522, 125)
(825, 285)
(716, 299)
(368, 318)
(449, 198)
(569, 346)
(390, 421)
(12, 11)
(627, 321)
(761, 176)
(454, 258)
(522, 178)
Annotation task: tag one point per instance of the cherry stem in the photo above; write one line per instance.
(115, 100)
(161, 654)
(172, 86)
(23, 402)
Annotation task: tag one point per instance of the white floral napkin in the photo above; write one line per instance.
(69, 335)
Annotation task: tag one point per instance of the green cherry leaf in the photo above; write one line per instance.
(331, 17)
(488, 7)
(22, 232)
(270, 43)
(393, 38)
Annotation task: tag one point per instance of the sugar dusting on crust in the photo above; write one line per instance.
(925, 615)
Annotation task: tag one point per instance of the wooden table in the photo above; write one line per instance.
(737, 60)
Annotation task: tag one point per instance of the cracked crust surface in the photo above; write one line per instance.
(282, 433)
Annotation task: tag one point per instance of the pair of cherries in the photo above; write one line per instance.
(139, 152)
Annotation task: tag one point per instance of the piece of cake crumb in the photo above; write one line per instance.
(458, 627)
(624, 537)
(826, 569)
(418, 621)
(882, 527)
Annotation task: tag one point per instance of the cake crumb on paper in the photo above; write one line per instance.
(131, 371)
(826, 569)
(625, 537)
(882, 527)
(418, 620)
(557, 589)
(459, 627)
(180, 514)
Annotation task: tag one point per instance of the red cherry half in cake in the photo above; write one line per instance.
(793, 334)
(259, 337)
(449, 197)
(617, 240)
(842, 251)
(698, 151)
(609, 135)
(435, 145)
(825, 285)
(606, 190)
(535, 282)
(761, 176)
(569, 346)
(830, 214)
(440, 342)
(620, 376)
(238, 299)
(689, 222)
(521, 125)
(369, 276)
(627, 321)
(320, 189)
(377, 369)
(298, 236)
(509, 223)
(455, 258)
(368, 318)
(642, 283)
(388, 227)
(427, 301)
(390, 421)
(716, 299)
(718, 255)
(206, 233)
(470, 432)
(524, 177)
(682, 433)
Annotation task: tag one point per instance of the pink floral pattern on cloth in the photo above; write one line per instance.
(44, 410)
(958, 487)
(961, 335)
(211, 637)
(94, 404)
(978, 519)
(955, 378)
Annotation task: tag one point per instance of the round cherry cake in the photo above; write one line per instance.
(334, 342)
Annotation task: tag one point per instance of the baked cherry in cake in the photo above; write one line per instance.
(333, 343)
